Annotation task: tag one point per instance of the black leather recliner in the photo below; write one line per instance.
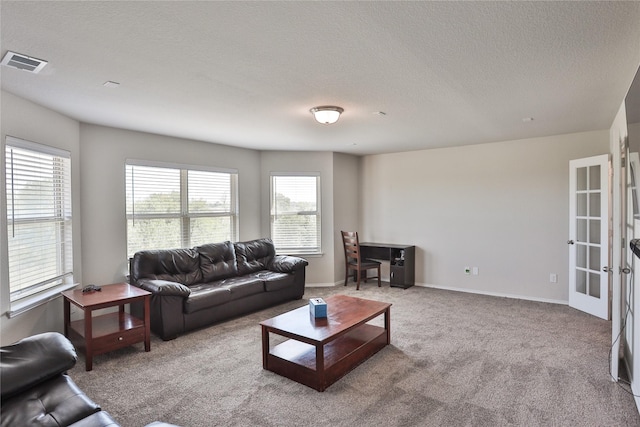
(36, 390)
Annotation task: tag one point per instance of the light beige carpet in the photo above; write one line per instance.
(455, 359)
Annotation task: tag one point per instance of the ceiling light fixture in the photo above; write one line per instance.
(326, 114)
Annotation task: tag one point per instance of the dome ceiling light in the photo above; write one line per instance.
(326, 114)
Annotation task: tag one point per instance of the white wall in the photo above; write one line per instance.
(502, 207)
(26, 120)
(346, 199)
(103, 155)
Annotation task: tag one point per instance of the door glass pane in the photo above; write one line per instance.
(594, 285)
(594, 258)
(582, 204)
(594, 204)
(594, 230)
(581, 174)
(581, 282)
(581, 256)
(582, 235)
(594, 178)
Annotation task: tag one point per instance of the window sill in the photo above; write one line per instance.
(304, 255)
(25, 304)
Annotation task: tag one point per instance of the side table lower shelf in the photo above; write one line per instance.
(110, 332)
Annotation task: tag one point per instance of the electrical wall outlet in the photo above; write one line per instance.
(553, 278)
(475, 271)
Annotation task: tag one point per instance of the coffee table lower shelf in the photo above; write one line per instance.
(300, 362)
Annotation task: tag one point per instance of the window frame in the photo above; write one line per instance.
(48, 286)
(293, 250)
(184, 215)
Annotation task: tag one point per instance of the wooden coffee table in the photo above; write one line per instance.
(107, 332)
(321, 351)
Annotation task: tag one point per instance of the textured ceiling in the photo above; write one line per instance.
(247, 73)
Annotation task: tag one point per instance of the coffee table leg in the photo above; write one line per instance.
(320, 367)
(265, 346)
(147, 323)
(387, 324)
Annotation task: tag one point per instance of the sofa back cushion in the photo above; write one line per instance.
(174, 265)
(217, 261)
(254, 255)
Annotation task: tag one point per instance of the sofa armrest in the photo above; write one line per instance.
(287, 264)
(164, 287)
(33, 360)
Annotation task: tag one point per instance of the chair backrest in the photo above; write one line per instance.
(351, 247)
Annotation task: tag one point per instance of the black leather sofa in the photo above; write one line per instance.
(36, 390)
(197, 287)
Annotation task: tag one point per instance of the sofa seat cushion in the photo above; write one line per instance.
(56, 402)
(217, 261)
(274, 281)
(243, 286)
(206, 295)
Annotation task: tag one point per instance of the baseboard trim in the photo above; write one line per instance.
(450, 288)
(494, 294)
(320, 285)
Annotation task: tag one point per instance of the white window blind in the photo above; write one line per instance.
(38, 189)
(295, 213)
(174, 207)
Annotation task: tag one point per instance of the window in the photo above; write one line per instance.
(295, 213)
(40, 252)
(179, 207)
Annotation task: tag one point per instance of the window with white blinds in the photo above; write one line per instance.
(38, 190)
(179, 207)
(295, 213)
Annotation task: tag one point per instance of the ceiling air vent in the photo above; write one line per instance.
(23, 62)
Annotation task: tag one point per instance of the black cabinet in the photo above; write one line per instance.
(402, 260)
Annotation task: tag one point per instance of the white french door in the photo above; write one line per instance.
(588, 235)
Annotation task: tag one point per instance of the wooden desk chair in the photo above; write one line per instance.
(354, 261)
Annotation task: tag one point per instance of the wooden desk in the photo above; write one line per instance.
(402, 260)
(108, 332)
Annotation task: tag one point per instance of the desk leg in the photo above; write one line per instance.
(88, 339)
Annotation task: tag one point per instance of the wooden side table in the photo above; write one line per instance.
(111, 331)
